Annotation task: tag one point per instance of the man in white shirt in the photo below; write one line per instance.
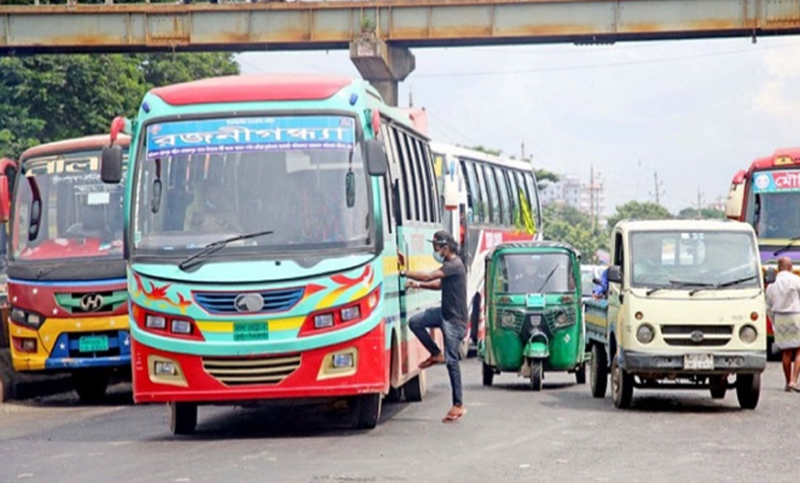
(783, 308)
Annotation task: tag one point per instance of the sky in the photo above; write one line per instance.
(692, 111)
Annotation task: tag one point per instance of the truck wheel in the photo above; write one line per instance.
(182, 417)
(488, 374)
(580, 374)
(90, 385)
(599, 367)
(621, 386)
(537, 374)
(367, 409)
(719, 386)
(748, 389)
(414, 389)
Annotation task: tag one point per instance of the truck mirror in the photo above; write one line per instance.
(615, 274)
(111, 164)
(377, 161)
(769, 276)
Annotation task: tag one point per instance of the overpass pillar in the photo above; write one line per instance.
(382, 65)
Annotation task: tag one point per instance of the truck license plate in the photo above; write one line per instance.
(250, 331)
(698, 362)
(93, 343)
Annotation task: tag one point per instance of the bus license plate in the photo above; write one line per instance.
(698, 362)
(250, 331)
(93, 343)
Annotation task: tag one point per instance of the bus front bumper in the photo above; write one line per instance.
(357, 366)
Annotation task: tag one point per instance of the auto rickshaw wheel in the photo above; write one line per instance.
(537, 374)
(621, 386)
(182, 417)
(719, 386)
(599, 367)
(580, 374)
(488, 374)
(748, 389)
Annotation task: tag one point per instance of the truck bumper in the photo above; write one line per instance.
(673, 363)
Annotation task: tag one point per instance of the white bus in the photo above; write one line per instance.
(487, 200)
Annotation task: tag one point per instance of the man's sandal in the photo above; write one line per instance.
(454, 414)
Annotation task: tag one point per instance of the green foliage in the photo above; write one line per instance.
(493, 152)
(46, 98)
(545, 177)
(633, 210)
(567, 224)
(704, 214)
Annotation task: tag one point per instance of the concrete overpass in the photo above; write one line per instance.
(379, 33)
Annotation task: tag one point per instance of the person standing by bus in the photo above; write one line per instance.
(451, 317)
(783, 307)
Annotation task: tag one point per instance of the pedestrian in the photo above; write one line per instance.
(783, 308)
(451, 316)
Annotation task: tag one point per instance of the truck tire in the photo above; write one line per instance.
(488, 374)
(748, 390)
(182, 417)
(599, 371)
(621, 386)
(580, 374)
(537, 374)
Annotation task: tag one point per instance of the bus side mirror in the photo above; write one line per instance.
(769, 276)
(111, 164)
(615, 274)
(377, 162)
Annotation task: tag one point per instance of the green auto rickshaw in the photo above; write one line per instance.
(534, 313)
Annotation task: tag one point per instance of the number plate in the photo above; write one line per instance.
(93, 343)
(250, 331)
(698, 362)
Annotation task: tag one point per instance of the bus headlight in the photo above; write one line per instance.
(645, 334)
(748, 334)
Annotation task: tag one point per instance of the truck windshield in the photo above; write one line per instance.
(62, 209)
(688, 259)
(775, 204)
(535, 273)
(300, 177)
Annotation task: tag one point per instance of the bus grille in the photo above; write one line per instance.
(274, 300)
(697, 335)
(238, 371)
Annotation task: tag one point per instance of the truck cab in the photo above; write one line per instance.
(685, 310)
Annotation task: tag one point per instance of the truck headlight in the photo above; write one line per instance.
(748, 334)
(645, 334)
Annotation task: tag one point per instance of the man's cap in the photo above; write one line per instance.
(441, 237)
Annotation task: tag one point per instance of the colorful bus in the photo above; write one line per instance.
(264, 215)
(66, 276)
(492, 200)
(767, 196)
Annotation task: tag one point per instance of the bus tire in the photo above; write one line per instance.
(90, 385)
(367, 411)
(395, 394)
(598, 365)
(182, 417)
(621, 386)
(748, 390)
(415, 388)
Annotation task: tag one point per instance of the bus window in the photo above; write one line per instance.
(534, 195)
(476, 193)
(406, 179)
(494, 204)
(409, 159)
(512, 188)
(486, 199)
(503, 189)
(423, 181)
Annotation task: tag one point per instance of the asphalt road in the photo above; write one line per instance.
(509, 434)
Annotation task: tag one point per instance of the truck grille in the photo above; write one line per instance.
(238, 371)
(697, 335)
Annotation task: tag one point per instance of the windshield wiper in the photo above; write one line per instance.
(786, 247)
(196, 259)
(547, 279)
(729, 283)
(679, 284)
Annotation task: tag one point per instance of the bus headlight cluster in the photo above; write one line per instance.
(25, 317)
(645, 334)
(748, 334)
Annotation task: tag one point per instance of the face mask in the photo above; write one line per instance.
(438, 256)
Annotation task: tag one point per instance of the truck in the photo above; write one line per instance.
(685, 309)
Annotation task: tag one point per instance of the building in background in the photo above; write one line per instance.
(588, 197)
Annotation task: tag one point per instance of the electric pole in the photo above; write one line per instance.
(699, 203)
(522, 150)
(591, 195)
(658, 191)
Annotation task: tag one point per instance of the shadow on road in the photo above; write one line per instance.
(117, 395)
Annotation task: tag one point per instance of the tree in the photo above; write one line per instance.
(704, 214)
(567, 224)
(46, 98)
(634, 210)
(545, 177)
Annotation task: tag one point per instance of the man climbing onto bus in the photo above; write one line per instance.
(451, 317)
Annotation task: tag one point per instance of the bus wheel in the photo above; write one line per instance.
(367, 410)
(90, 385)
(748, 389)
(182, 417)
(415, 388)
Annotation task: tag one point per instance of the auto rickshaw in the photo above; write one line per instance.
(534, 314)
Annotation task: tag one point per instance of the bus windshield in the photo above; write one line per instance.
(775, 201)
(62, 209)
(301, 178)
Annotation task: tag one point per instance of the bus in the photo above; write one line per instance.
(767, 196)
(491, 200)
(66, 275)
(264, 215)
